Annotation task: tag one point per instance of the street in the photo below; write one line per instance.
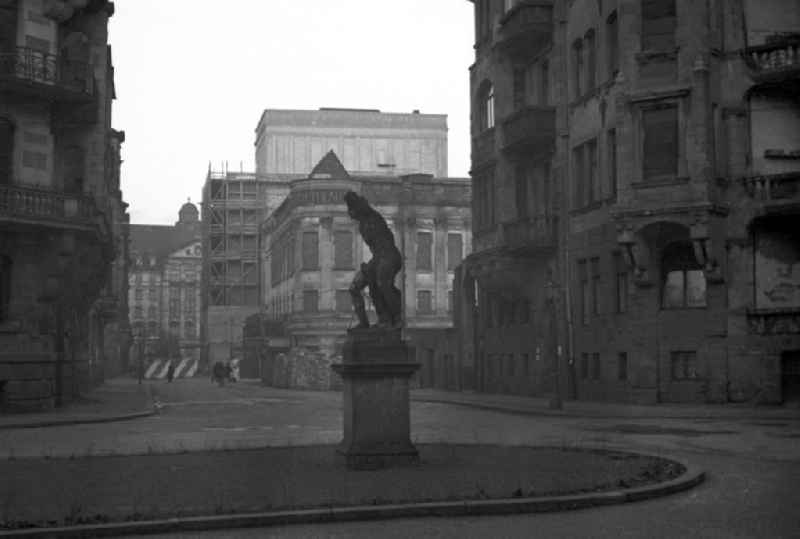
(752, 463)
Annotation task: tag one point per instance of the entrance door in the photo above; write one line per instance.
(790, 376)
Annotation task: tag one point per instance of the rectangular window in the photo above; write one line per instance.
(595, 267)
(596, 366)
(250, 217)
(524, 311)
(583, 279)
(591, 60)
(310, 301)
(590, 161)
(544, 83)
(578, 176)
(622, 366)
(612, 45)
(521, 188)
(577, 68)
(684, 365)
(310, 250)
(424, 248)
(621, 271)
(585, 366)
(518, 75)
(424, 302)
(139, 294)
(659, 20)
(235, 217)
(660, 147)
(249, 190)
(343, 249)
(611, 162)
(449, 301)
(344, 302)
(455, 250)
(36, 160)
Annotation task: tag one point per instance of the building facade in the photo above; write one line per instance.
(164, 290)
(311, 250)
(366, 140)
(660, 137)
(62, 256)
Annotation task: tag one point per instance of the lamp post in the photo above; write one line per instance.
(553, 290)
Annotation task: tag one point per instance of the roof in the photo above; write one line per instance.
(159, 240)
(329, 167)
(350, 118)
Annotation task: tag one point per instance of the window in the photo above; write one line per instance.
(235, 217)
(343, 249)
(310, 301)
(152, 293)
(596, 366)
(585, 366)
(658, 24)
(249, 190)
(578, 175)
(424, 302)
(621, 271)
(310, 250)
(37, 44)
(344, 303)
(612, 45)
(611, 161)
(139, 294)
(152, 329)
(151, 312)
(519, 75)
(511, 369)
(521, 188)
(660, 152)
(138, 313)
(36, 160)
(684, 365)
(484, 199)
(455, 250)
(189, 330)
(486, 106)
(544, 83)
(524, 311)
(449, 301)
(684, 283)
(5, 287)
(424, 248)
(577, 68)
(622, 366)
(6, 150)
(583, 278)
(591, 59)
(595, 266)
(591, 170)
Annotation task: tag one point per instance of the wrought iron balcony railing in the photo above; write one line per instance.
(775, 61)
(774, 187)
(526, 29)
(531, 130)
(49, 74)
(47, 208)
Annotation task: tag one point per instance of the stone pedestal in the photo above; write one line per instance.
(376, 371)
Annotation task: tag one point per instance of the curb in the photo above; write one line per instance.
(508, 506)
(76, 421)
(565, 413)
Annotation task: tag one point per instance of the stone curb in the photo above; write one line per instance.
(510, 409)
(78, 421)
(508, 506)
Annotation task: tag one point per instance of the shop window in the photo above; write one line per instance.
(684, 365)
(684, 283)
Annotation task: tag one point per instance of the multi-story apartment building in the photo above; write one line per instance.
(164, 289)
(367, 141)
(289, 143)
(634, 165)
(62, 316)
(311, 250)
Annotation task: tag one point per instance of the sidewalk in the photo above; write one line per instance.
(116, 400)
(541, 406)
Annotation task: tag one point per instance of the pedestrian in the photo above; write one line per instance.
(170, 371)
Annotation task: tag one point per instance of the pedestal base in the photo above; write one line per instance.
(375, 372)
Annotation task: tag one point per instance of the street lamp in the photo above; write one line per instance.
(556, 402)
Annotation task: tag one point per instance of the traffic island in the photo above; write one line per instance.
(105, 496)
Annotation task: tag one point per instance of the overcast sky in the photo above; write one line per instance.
(192, 78)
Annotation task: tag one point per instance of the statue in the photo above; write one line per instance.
(380, 271)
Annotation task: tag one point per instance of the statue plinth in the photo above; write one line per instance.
(377, 427)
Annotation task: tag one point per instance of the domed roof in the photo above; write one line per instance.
(188, 213)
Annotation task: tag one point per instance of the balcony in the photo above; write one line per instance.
(38, 207)
(774, 190)
(531, 130)
(526, 30)
(483, 151)
(773, 321)
(29, 71)
(775, 62)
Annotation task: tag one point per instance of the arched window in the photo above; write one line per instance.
(486, 106)
(683, 280)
